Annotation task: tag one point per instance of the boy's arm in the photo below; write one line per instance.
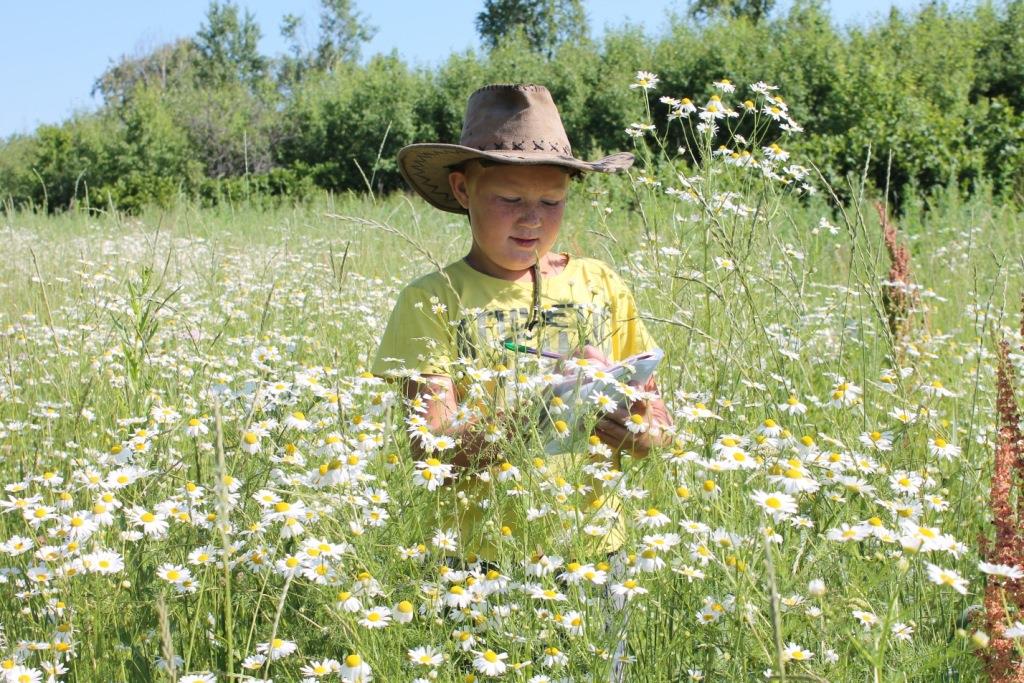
(471, 450)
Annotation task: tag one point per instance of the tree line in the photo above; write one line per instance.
(936, 94)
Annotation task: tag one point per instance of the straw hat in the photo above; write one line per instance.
(508, 124)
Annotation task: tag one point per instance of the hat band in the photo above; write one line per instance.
(528, 146)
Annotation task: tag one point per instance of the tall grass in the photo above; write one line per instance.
(140, 354)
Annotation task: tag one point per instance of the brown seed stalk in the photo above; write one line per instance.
(897, 294)
(1007, 505)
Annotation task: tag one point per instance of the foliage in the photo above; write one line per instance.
(59, 162)
(228, 47)
(755, 10)
(896, 101)
(546, 24)
(344, 128)
(151, 163)
(342, 34)
(168, 67)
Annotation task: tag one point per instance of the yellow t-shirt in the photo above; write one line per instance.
(459, 316)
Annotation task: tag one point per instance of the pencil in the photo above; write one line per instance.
(519, 348)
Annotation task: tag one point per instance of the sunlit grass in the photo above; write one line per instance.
(152, 368)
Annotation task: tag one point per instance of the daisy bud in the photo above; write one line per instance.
(403, 612)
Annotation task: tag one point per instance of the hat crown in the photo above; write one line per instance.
(520, 118)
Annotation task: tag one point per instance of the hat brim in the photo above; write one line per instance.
(425, 166)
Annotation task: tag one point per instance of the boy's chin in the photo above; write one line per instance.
(522, 263)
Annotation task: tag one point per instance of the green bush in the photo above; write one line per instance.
(345, 128)
(263, 189)
(63, 163)
(152, 161)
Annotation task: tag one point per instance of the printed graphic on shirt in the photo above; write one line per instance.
(560, 328)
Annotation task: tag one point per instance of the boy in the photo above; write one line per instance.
(510, 174)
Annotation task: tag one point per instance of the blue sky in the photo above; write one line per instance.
(51, 51)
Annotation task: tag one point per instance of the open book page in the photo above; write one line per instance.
(579, 389)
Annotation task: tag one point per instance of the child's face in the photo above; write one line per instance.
(515, 213)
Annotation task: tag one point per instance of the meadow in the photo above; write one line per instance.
(202, 482)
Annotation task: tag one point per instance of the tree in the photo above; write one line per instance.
(292, 67)
(342, 34)
(228, 46)
(545, 23)
(755, 10)
(166, 67)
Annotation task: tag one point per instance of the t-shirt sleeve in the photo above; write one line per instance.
(629, 334)
(417, 338)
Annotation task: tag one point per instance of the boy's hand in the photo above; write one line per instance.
(591, 353)
(638, 428)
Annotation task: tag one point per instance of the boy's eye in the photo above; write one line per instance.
(551, 202)
(509, 200)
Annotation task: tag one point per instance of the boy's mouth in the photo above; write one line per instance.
(526, 242)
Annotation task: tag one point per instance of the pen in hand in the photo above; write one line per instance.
(519, 348)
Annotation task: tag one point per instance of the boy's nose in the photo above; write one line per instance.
(530, 217)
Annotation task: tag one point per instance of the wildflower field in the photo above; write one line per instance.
(202, 482)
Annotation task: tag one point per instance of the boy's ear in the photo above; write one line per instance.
(457, 182)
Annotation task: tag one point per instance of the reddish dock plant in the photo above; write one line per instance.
(898, 293)
(1007, 505)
